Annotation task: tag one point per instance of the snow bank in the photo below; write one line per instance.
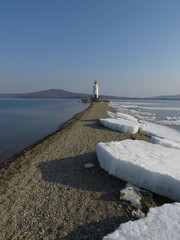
(121, 125)
(165, 142)
(147, 165)
(153, 129)
(161, 223)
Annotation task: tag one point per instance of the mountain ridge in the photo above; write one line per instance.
(60, 93)
(50, 93)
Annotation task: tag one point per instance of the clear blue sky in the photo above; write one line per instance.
(132, 47)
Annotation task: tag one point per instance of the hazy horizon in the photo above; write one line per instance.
(131, 48)
(86, 93)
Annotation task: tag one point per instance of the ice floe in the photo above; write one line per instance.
(151, 111)
(118, 115)
(147, 165)
(121, 125)
(128, 124)
(170, 121)
(165, 142)
(161, 223)
(153, 129)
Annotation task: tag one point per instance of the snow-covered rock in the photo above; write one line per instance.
(132, 194)
(121, 125)
(147, 165)
(153, 129)
(165, 142)
(161, 223)
(137, 213)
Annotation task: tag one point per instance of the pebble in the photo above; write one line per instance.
(88, 165)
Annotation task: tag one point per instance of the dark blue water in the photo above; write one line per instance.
(24, 121)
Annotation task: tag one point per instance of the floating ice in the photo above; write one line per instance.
(153, 129)
(150, 108)
(133, 111)
(162, 108)
(130, 106)
(132, 103)
(165, 142)
(161, 223)
(121, 115)
(151, 119)
(170, 121)
(147, 165)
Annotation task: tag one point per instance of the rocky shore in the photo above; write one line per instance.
(46, 192)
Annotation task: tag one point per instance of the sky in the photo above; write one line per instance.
(131, 47)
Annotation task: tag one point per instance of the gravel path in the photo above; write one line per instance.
(47, 193)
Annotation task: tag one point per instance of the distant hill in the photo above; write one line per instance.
(170, 97)
(59, 93)
(51, 93)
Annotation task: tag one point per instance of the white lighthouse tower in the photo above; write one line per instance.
(95, 90)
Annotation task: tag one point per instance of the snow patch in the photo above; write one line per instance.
(132, 194)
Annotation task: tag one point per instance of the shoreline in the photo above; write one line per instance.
(5, 164)
(49, 194)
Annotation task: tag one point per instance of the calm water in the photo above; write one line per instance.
(159, 111)
(24, 121)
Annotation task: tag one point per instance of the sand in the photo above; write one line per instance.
(47, 193)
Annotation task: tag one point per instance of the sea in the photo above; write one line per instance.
(25, 121)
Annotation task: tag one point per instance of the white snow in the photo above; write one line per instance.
(121, 125)
(151, 166)
(153, 129)
(132, 194)
(165, 142)
(161, 223)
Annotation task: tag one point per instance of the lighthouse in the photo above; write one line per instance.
(95, 90)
